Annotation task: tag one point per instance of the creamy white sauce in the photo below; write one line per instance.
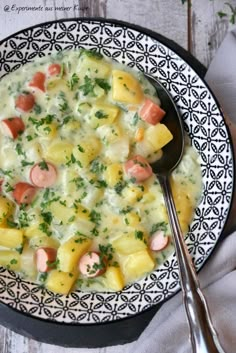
(71, 125)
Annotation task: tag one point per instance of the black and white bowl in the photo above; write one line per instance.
(204, 124)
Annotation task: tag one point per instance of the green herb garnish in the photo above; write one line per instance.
(101, 115)
(73, 81)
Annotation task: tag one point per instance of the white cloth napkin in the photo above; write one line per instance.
(221, 75)
(168, 331)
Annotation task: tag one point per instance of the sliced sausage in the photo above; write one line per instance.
(38, 81)
(138, 168)
(158, 241)
(54, 69)
(45, 259)
(12, 127)
(91, 264)
(24, 193)
(151, 112)
(25, 102)
(43, 174)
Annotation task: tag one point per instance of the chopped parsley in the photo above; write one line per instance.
(95, 217)
(43, 165)
(126, 210)
(47, 217)
(120, 186)
(73, 81)
(80, 148)
(44, 227)
(37, 109)
(79, 182)
(88, 87)
(106, 251)
(97, 167)
(72, 160)
(64, 107)
(7, 173)
(159, 226)
(19, 149)
(139, 234)
(23, 218)
(91, 54)
(135, 119)
(101, 82)
(95, 232)
(8, 187)
(101, 115)
(25, 163)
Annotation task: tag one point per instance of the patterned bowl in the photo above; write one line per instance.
(204, 124)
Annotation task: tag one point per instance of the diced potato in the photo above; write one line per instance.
(70, 252)
(59, 152)
(6, 208)
(133, 193)
(78, 214)
(94, 68)
(109, 133)
(69, 180)
(94, 196)
(72, 125)
(84, 107)
(122, 145)
(82, 213)
(60, 282)
(130, 243)
(144, 148)
(126, 88)
(113, 174)
(115, 220)
(148, 197)
(102, 114)
(33, 231)
(158, 135)
(47, 130)
(132, 219)
(62, 213)
(11, 238)
(113, 278)
(56, 84)
(87, 150)
(43, 241)
(10, 259)
(28, 266)
(84, 227)
(136, 265)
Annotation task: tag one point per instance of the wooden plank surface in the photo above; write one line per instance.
(168, 17)
(208, 29)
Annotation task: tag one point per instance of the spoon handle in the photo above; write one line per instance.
(203, 336)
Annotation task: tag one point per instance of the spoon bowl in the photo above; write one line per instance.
(203, 336)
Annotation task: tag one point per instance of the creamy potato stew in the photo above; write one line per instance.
(79, 205)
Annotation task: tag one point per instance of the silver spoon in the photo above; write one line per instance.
(203, 336)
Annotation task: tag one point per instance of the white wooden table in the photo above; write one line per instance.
(197, 28)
